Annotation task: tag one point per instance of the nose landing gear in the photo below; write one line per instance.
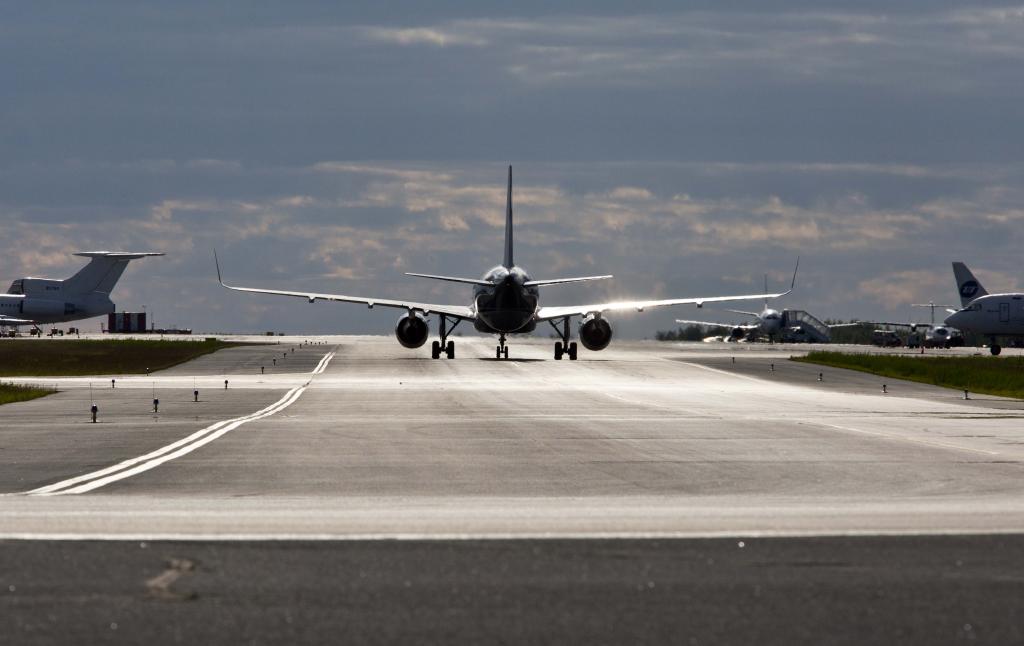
(564, 347)
(501, 352)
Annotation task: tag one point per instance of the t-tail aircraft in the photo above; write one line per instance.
(991, 315)
(506, 300)
(31, 301)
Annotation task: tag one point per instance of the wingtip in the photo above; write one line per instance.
(216, 263)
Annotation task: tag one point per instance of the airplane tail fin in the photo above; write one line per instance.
(966, 284)
(102, 272)
(508, 262)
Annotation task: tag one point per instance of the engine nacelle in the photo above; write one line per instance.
(738, 333)
(411, 330)
(595, 333)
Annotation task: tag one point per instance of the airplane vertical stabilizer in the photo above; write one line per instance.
(102, 272)
(966, 284)
(508, 262)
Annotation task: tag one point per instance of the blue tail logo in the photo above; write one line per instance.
(969, 288)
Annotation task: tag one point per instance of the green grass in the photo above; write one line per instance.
(10, 393)
(66, 358)
(988, 375)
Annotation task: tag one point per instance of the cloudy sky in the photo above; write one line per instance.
(687, 149)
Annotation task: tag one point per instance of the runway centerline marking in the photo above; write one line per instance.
(134, 466)
(903, 438)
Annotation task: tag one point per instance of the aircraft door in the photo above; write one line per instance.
(1004, 312)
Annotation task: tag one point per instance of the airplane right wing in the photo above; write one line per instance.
(455, 311)
(547, 313)
(551, 313)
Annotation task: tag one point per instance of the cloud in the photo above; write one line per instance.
(421, 36)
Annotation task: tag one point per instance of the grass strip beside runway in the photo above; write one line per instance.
(69, 358)
(988, 375)
(10, 393)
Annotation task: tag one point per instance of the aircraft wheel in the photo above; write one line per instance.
(572, 351)
(504, 352)
(449, 350)
(435, 350)
(995, 349)
(558, 351)
(497, 352)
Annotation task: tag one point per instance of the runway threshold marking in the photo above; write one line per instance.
(134, 466)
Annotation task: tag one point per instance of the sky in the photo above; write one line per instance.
(686, 148)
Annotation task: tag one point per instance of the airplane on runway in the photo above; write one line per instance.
(30, 301)
(991, 315)
(506, 300)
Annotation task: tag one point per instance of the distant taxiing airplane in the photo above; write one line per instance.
(991, 315)
(31, 301)
(505, 301)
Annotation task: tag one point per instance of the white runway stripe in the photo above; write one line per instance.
(496, 536)
(184, 446)
(174, 450)
(320, 367)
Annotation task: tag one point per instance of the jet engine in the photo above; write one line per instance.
(595, 333)
(411, 330)
(738, 333)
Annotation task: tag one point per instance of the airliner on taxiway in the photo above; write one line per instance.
(505, 301)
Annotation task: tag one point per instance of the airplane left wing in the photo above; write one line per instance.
(547, 313)
(456, 311)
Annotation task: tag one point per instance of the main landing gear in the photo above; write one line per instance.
(501, 352)
(444, 345)
(564, 347)
(994, 347)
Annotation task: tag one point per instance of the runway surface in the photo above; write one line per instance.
(639, 440)
(674, 450)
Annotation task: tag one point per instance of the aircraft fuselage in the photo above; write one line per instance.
(507, 305)
(992, 315)
(54, 310)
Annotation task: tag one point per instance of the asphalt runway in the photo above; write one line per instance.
(358, 446)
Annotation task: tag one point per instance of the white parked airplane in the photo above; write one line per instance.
(86, 294)
(505, 301)
(991, 315)
(769, 321)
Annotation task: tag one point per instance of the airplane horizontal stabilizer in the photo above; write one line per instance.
(452, 279)
(559, 281)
